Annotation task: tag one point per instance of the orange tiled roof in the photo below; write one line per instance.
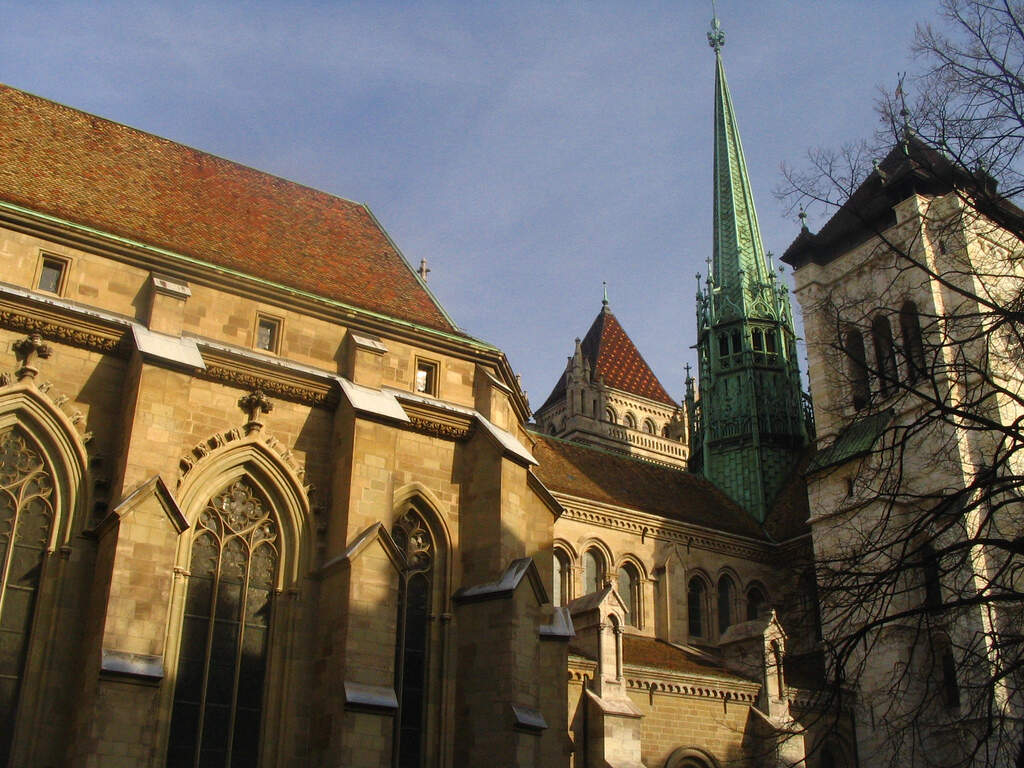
(91, 171)
(609, 478)
(615, 359)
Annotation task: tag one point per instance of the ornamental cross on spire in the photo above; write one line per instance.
(716, 37)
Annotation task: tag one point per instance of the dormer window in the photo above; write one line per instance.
(268, 333)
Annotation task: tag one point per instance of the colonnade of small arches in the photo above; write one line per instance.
(713, 605)
(885, 365)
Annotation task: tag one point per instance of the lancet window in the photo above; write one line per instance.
(593, 571)
(726, 590)
(913, 343)
(857, 368)
(696, 598)
(411, 534)
(885, 354)
(26, 520)
(629, 591)
(218, 694)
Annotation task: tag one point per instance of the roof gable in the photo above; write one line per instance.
(65, 163)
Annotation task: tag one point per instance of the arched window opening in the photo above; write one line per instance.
(649, 427)
(629, 420)
(736, 346)
(593, 571)
(950, 689)
(561, 594)
(913, 344)
(723, 345)
(413, 538)
(696, 599)
(218, 694)
(857, 368)
(629, 591)
(26, 511)
(885, 354)
(757, 605)
(932, 586)
(725, 600)
(609, 416)
(769, 342)
(757, 337)
(664, 431)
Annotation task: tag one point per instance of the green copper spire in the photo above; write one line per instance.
(748, 419)
(739, 258)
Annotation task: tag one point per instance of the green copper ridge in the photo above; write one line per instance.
(749, 424)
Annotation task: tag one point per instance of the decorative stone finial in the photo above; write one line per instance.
(27, 350)
(716, 37)
(254, 404)
(604, 300)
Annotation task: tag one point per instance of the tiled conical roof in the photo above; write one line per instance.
(614, 359)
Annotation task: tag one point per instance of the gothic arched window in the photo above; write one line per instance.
(726, 590)
(913, 344)
(857, 367)
(885, 353)
(593, 571)
(413, 538)
(560, 583)
(629, 591)
(756, 603)
(696, 599)
(218, 693)
(26, 520)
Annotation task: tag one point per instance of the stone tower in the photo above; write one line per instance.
(749, 425)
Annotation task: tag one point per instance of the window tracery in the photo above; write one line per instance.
(411, 534)
(218, 696)
(26, 520)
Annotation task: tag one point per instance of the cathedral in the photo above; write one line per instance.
(265, 503)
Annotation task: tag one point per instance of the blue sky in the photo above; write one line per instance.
(529, 151)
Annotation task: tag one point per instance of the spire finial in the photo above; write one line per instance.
(716, 37)
(604, 300)
(803, 219)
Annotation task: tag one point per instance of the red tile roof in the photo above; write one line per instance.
(91, 171)
(592, 473)
(615, 359)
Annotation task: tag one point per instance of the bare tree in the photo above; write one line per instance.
(914, 330)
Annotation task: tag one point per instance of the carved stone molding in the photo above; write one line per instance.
(98, 340)
(285, 390)
(75, 416)
(221, 439)
(439, 429)
(437, 422)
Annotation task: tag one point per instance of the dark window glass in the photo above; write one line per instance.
(267, 330)
(629, 591)
(593, 571)
(857, 368)
(695, 607)
(26, 511)
(723, 345)
(913, 343)
(755, 603)
(885, 354)
(725, 593)
(412, 537)
(51, 275)
(218, 695)
(758, 338)
(769, 342)
(950, 689)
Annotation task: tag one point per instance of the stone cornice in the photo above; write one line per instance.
(437, 421)
(62, 323)
(647, 525)
(251, 372)
(654, 681)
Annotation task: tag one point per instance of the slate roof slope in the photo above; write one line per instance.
(610, 478)
(614, 358)
(790, 510)
(91, 171)
(643, 651)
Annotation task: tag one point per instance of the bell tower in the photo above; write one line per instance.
(748, 419)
